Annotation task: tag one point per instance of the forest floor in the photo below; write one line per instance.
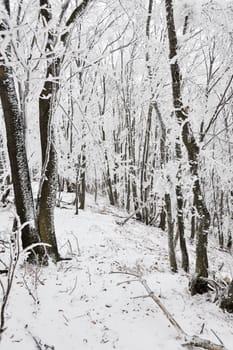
(79, 304)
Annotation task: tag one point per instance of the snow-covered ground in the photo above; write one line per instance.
(79, 304)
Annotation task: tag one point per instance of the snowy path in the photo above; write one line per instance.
(81, 305)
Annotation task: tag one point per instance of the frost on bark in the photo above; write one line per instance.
(193, 152)
(15, 132)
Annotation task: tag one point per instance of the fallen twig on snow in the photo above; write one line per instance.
(122, 223)
(39, 344)
(188, 340)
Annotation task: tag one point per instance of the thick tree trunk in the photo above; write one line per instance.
(17, 155)
(15, 132)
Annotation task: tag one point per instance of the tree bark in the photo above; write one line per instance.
(49, 176)
(170, 224)
(17, 156)
(192, 150)
(15, 132)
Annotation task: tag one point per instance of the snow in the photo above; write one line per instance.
(80, 304)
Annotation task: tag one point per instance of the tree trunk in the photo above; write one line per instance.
(17, 156)
(193, 153)
(47, 196)
(170, 224)
(180, 222)
(15, 132)
(82, 191)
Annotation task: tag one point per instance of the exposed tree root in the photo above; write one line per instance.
(187, 340)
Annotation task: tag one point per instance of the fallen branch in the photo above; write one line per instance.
(188, 341)
(122, 223)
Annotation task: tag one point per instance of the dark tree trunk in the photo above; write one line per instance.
(18, 157)
(193, 153)
(170, 224)
(162, 223)
(77, 186)
(193, 222)
(144, 187)
(15, 132)
(82, 189)
(47, 196)
(180, 214)
(180, 222)
(108, 175)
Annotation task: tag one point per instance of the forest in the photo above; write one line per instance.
(116, 142)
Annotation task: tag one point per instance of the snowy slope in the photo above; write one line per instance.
(80, 304)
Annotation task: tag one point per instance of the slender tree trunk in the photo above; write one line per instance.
(180, 214)
(144, 187)
(82, 191)
(108, 175)
(193, 154)
(77, 186)
(47, 196)
(170, 224)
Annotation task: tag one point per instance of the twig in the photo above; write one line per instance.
(126, 282)
(202, 328)
(39, 343)
(141, 297)
(89, 276)
(77, 243)
(74, 287)
(220, 341)
(36, 301)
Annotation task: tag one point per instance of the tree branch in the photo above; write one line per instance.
(78, 11)
(187, 339)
